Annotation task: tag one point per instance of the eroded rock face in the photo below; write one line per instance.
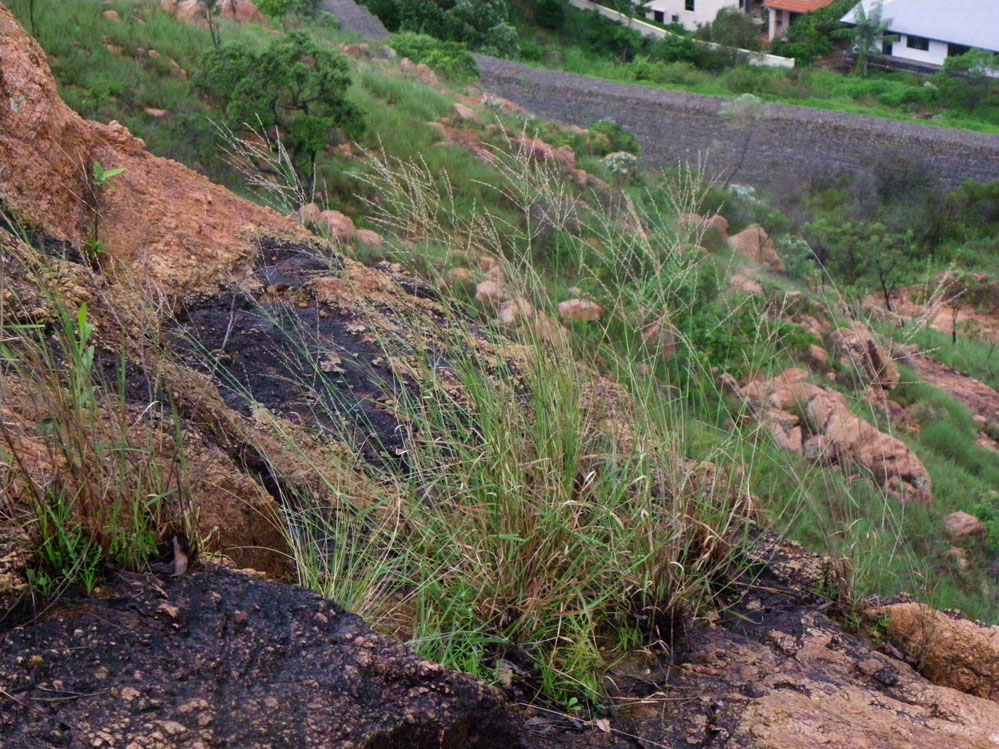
(780, 675)
(858, 349)
(755, 244)
(817, 422)
(168, 225)
(946, 648)
(219, 659)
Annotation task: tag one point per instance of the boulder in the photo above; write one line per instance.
(111, 15)
(514, 311)
(338, 225)
(419, 71)
(660, 337)
(797, 412)
(241, 11)
(961, 525)
(544, 153)
(368, 237)
(946, 648)
(754, 244)
(696, 223)
(460, 277)
(580, 310)
(467, 114)
(490, 294)
(858, 349)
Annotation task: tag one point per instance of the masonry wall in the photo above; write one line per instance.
(793, 146)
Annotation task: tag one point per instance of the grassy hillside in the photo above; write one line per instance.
(565, 508)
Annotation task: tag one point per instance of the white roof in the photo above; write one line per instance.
(973, 23)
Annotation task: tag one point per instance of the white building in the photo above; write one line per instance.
(690, 13)
(930, 31)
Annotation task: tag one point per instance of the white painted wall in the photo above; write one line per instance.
(935, 55)
(704, 11)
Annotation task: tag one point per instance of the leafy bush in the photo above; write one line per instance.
(620, 139)
(483, 24)
(294, 85)
(814, 35)
(965, 81)
(685, 49)
(281, 8)
(549, 14)
(732, 28)
(605, 38)
(450, 59)
(388, 12)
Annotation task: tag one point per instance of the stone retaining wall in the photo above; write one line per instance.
(793, 144)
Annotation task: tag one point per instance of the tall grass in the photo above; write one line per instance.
(105, 480)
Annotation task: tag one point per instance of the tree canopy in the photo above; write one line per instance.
(294, 85)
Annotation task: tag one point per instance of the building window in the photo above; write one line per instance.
(676, 19)
(917, 42)
(658, 16)
(953, 50)
(688, 4)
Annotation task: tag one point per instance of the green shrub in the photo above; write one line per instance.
(813, 35)
(732, 28)
(482, 24)
(294, 85)
(281, 8)
(620, 139)
(388, 12)
(549, 14)
(684, 49)
(450, 59)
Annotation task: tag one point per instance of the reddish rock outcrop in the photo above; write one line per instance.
(168, 225)
(962, 525)
(946, 648)
(755, 244)
(241, 11)
(817, 423)
(580, 310)
(858, 350)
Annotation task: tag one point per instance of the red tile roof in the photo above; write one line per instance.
(797, 6)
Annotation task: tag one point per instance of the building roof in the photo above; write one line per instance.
(973, 23)
(797, 6)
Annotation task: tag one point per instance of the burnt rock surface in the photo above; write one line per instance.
(221, 659)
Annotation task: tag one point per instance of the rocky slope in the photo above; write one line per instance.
(211, 657)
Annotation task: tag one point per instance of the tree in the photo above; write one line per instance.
(732, 28)
(868, 34)
(742, 114)
(550, 14)
(481, 24)
(860, 255)
(966, 80)
(294, 86)
(211, 10)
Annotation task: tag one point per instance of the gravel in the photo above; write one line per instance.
(791, 146)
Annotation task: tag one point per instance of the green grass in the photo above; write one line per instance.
(548, 516)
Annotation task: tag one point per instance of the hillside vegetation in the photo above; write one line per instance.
(504, 410)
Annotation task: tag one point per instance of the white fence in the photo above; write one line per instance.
(647, 29)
